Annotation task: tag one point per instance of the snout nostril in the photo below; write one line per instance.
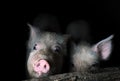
(38, 64)
(44, 66)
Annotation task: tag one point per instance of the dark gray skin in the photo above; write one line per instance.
(85, 57)
(46, 52)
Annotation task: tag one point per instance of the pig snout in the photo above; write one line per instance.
(41, 66)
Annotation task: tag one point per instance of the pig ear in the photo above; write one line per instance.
(104, 47)
(33, 30)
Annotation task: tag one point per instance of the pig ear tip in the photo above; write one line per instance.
(28, 24)
(111, 36)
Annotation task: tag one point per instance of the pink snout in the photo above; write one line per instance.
(41, 66)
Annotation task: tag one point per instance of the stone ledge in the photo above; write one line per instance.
(106, 74)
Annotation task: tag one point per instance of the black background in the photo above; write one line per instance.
(104, 19)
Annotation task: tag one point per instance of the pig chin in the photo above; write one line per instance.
(38, 75)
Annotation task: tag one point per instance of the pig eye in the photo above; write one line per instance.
(34, 48)
(56, 49)
(94, 66)
(72, 65)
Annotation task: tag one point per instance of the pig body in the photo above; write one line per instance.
(85, 57)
